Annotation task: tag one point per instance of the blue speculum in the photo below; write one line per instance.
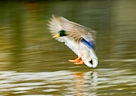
(90, 44)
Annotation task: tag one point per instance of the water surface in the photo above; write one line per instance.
(32, 63)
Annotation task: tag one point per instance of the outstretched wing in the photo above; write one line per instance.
(55, 27)
(76, 31)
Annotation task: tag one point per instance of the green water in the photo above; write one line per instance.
(32, 63)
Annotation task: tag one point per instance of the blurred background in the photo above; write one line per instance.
(32, 63)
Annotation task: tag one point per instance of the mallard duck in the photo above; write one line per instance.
(78, 38)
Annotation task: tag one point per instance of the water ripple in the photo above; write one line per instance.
(70, 83)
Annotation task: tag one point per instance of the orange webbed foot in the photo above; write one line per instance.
(76, 60)
(81, 62)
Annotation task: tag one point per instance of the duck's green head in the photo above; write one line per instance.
(60, 33)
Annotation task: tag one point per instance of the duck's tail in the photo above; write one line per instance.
(93, 61)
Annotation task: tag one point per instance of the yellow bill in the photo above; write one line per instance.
(57, 35)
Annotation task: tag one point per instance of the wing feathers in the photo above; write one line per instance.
(76, 31)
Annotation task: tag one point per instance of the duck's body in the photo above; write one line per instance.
(78, 38)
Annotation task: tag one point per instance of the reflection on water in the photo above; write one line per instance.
(34, 64)
(63, 83)
(48, 83)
